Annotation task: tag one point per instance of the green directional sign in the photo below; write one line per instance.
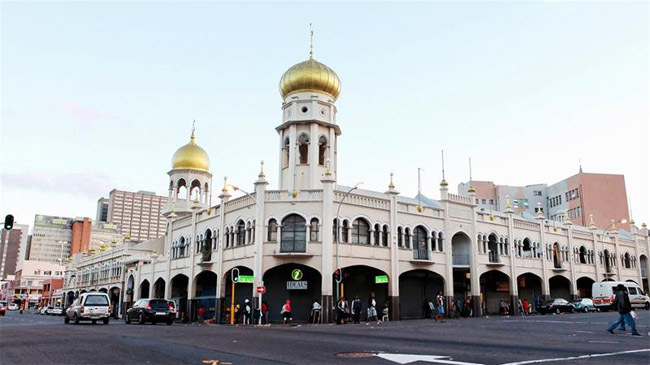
(244, 279)
(296, 274)
(381, 279)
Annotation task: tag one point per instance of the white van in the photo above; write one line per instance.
(604, 292)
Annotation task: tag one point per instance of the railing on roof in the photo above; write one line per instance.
(362, 200)
(460, 199)
(525, 225)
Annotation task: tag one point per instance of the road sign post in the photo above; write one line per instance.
(234, 279)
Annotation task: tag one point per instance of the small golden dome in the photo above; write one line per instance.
(191, 156)
(471, 190)
(443, 183)
(310, 75)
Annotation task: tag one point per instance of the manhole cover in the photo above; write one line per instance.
(355, 354)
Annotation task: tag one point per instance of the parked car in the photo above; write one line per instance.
(92, 307)
(151, 310)
(604, 293)
(584, 305)
(557, 306)
(57, 311)
(13, 306)
(3, 308)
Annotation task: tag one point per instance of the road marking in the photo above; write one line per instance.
(602, 341)
(585, 332)
(575, 357)
(409, 358)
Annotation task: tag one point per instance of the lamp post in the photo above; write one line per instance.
(338, 236)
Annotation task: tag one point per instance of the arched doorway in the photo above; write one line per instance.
(69, 298)
(299, 283)
(243, 291)
(114, 295)
(144, 289)
(159, 288)
(529, 286)
(363, 280)
(179, 284)
(130, 285)
(584, 287)
(495, 286)
(460, 257)
(415, 288)
(103, 290)
(206, 293)
(560, 287)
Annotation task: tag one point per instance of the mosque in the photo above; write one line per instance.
(315, 240)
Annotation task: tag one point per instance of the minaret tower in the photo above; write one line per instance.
(308, 133)
(189, 179)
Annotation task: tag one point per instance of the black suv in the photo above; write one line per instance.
(151, 310)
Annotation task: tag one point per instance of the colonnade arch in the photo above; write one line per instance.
(495, 286)
(363, 281)
(584, 285)
(416, 287)
(144, 289)
(560, 287)
(529, 286)
(301, 284)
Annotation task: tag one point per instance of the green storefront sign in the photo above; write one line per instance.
(381, 279)
(244, 279)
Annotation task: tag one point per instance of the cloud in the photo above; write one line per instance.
(85, 184)
(78, 111)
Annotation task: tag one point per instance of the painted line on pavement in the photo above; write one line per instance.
(602, 341)
(576, 357)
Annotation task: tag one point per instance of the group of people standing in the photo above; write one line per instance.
(436, 308)
(346, 312)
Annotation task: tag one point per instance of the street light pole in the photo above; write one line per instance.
(338, 236)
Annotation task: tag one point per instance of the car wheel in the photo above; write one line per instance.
(140, 318)
(169, 323)
(94, 321)
(127, 320)
(573, 310)
(557, 311)
(105, 320)
(66, 320)
(647, 306)
(586, 310)
(76, 319)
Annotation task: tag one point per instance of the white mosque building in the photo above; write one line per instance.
(297, 240)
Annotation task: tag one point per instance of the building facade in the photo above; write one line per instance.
(315, 240)
(11, 243)
(102, 210)
(137, 214)
(88, 235)
(28, 282)
(51, 239)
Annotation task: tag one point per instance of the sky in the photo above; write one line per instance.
(99, 95)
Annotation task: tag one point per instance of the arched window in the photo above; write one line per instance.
(377, 234)
(322, 149)
(400, 239)
(440, 242)
(253, 232)
(627, 261)
(195, 190)
(384, 236)
(181, 250)
(249, 233)
(241, 233)
(527, 248)
(407, 238)
(293, 234)
(272, 235)
(583, 255)
(303, 148)
(360, 231)
(181, 189)
(420, 243)
(345, 231)
(285, 153)
(313, 230)
(335, 230)
(557, 256)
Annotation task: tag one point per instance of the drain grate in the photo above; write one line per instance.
(356, 355)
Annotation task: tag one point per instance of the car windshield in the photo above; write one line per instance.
(97, 300)
(159, 304)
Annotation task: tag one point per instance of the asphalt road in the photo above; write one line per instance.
(36, 339)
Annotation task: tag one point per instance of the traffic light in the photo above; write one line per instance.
(9, 222)
(337, 275)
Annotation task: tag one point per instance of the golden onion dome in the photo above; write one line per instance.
(310, 75)
(191, 156)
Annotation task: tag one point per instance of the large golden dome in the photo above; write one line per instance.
(191, 156)
(310, 75)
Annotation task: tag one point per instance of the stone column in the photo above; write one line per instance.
(258, 269)
(393, 293)
(572, 260)
(222, 224)
(327, 289)
(514, 290)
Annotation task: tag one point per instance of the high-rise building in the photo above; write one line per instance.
(87, 234)
(10, 249)
(102, 210)
(138, 214)
(51, 238)
(580, 196)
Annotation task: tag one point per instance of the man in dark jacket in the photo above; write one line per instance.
(624, 307)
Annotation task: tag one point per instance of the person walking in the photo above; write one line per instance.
(341, 308)
(372, 309)
(315, 312)
(265, 312)
(503, 306)
(430, 308)
(526, 305)
(202, 313)
(356, 309)
(440, 302)
(624, 307)
(286, 312)
(247, 312)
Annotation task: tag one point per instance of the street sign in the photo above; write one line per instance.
(261, 289)
(296, 285)
(381, 279)
(244, 279)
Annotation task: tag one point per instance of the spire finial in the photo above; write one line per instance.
(471, 186)
(391, 185)
(580, 164)
(419, 207)
(311, 42)
(225, 184)
(193, 128)
(261, 175)
(443, 183)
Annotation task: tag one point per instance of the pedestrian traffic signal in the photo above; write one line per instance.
(9, 222)
(337, 275)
